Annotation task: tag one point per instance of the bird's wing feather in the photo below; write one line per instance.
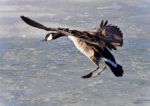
(89, 37)
(85, 36)
(36, 24)
(112, 33)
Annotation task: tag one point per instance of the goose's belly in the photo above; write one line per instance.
(82, 46)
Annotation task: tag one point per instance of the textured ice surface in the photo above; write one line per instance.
(33, 73)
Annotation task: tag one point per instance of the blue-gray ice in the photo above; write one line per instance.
(33, 73)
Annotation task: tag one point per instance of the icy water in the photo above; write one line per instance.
(34, 73)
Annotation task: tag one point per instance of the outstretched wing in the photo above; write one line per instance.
(85, 36)
(96, 38)
(112, 33)
(107, 35)
(36, 24)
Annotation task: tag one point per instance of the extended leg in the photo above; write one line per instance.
(94, 73)
(95, 59)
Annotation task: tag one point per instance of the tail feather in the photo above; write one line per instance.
(110, 61)
(117, 71)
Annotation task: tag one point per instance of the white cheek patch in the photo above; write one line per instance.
(50, 37)
(111, 62)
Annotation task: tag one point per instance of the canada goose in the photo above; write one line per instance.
(96, 45)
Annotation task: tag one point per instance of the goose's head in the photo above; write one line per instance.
(52, 36)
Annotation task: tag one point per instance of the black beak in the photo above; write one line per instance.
(44, 40)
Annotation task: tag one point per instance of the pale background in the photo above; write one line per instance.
(33, 73)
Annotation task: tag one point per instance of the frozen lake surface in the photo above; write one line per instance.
(35, 73)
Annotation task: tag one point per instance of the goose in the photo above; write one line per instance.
(96, 44)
